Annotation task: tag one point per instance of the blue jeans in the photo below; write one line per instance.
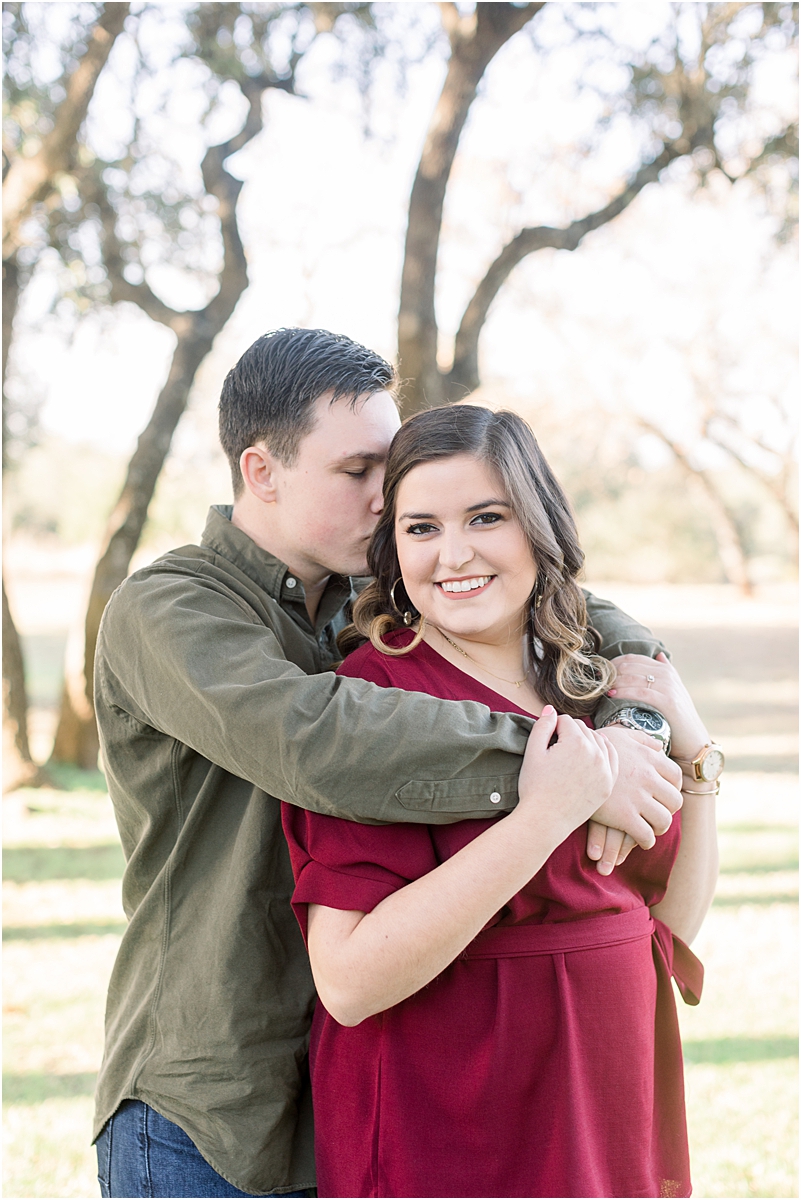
(141, 1153)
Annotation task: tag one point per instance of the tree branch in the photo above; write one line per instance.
(29, 180)
(464, 377)
(732, 552)
(772, 483)
(475, 38)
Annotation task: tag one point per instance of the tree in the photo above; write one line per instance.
(122, 216)
(106, 201)
(688, 94)
(31, 179)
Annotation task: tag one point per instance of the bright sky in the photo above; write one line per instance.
(682, 287)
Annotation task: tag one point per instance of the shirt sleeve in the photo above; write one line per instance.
(188, 658)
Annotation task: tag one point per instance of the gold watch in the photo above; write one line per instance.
(708, 764)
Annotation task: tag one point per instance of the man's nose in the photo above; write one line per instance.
(377, 498)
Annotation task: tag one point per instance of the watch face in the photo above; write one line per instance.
(711, 766)
(649, 721)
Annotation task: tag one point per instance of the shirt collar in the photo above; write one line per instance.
(232, 543)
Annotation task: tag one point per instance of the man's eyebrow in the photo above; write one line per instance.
(418, 516)
(362, 456)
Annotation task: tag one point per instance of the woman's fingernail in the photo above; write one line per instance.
(613, 692)
(547, 710)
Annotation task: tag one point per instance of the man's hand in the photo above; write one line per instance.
(642, 801)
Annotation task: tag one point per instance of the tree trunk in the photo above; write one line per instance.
(76, 736)
(475, 38)
(27, 181)
(19, 769)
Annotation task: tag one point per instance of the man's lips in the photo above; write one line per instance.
(462, 593)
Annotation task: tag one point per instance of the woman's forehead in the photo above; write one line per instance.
(460, 481)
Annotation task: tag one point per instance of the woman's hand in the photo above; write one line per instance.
(564, 781)
(666, 693)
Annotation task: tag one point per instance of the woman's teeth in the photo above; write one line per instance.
(464, 585)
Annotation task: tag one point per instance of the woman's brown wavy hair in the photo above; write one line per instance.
(562, 651)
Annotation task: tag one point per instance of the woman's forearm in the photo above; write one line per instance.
(695, 871)
(365, 963)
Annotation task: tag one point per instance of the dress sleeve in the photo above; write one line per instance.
(354, 867)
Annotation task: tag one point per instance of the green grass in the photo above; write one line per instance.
(64, 921)
(34, 1087)
(23, 864)
(740, 1049)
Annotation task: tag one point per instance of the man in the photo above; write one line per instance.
(215, 700)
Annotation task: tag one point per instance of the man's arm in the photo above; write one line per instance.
(188, 657)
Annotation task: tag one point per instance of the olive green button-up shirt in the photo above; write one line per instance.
(215, 700)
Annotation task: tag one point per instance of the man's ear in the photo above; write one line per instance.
(259, 472)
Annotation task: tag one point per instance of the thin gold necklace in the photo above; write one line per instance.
(515, 682)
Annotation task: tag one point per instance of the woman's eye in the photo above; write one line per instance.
(488, 518)
(420, 528)
(357, 474)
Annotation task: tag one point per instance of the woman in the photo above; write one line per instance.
(496, 1017)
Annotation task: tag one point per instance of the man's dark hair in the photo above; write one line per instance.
(269, 395)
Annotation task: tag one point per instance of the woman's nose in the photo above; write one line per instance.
(455, 550)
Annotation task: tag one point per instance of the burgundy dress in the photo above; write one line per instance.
(544, 1061)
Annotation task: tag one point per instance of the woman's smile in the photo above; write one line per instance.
(461, 589)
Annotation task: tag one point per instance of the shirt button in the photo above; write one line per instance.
(495, 798)
(290, 582)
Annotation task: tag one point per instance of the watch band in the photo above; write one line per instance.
(627, 717)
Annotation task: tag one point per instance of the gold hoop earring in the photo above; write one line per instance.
(407, 617)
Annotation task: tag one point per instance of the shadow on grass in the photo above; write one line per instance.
(24, 864)
(30, 933)
(75, 779)
(32, 1087)
(731, 1050)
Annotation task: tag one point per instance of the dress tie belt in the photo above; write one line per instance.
(564, 937)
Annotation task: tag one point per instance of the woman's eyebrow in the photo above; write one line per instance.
(488, 504)
(420, 516)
